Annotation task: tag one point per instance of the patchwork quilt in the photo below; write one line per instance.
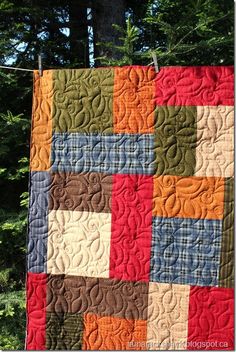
(130, 243)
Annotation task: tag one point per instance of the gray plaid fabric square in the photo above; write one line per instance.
(186, 251)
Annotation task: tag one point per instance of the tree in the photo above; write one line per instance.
(106, 13)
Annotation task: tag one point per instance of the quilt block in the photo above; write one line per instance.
(130, 243)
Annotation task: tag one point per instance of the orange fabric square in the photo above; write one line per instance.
(188, 197)
(110, 333)
(133, 100)
(41, 134)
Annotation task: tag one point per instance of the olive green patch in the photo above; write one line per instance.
(226, 278)
(64, 331)
(83, 100)
(175, 140)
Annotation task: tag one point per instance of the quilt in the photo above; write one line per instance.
(130, 243)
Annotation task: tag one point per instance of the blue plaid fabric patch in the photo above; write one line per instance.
(113, 154)
(185, 251)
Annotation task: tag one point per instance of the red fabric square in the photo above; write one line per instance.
(195, 86)
(131, 227)
(36, 311)
(211, 318)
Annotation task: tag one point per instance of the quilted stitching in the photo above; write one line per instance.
(118, 153)
(175, 140)
(186, 251)
(82, 101)
(131, 242)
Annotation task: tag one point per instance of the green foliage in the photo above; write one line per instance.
(12, 320)
(14, 130)
(193, 32)
(128, 37)
(205, 38)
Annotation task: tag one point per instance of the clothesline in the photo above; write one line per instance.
(153, 54)
(16, 68)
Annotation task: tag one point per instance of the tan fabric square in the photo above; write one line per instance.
(167, 327)
(78, 243)
(215, 141)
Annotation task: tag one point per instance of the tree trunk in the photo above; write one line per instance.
(105, 14)
(79, 49)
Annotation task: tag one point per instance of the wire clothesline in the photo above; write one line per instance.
(16, 68)
(40, 65)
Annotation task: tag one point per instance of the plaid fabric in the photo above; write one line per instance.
(131, 242)
(186, 251)
(126, 154)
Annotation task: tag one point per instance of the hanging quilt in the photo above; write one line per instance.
(130, 243)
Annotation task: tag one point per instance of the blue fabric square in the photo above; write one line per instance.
(185, 251)
(113, 154)
(40, 182)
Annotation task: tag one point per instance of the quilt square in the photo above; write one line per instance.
(103, 297)
(90, 191)
(195, 86)
(211, 318)
(64, 331)
(188, 197)
(109, 333)
(175, 140)
(41, 129)
(78, 243)
(40, 184)
(133, 104)
(36, 311)
(131, 227)
(83, 100)
(186, 251)
(215, 141)
(226, 277)
(167, 324)
(110, 154)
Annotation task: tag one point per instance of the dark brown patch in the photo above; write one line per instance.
(89, 191)
(104, 297)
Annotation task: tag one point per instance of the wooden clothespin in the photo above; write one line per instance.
(154, 57)
(40, 63)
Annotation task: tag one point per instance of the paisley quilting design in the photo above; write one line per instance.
(134, 100)
(131, 212)
(82, 100)
(167, 316)
(78, 243)
(175, 140)
(186, 251)
(112, 154)
(64, 331)
(107, 333)
(214, 135)
(188, 197)
(89, 191)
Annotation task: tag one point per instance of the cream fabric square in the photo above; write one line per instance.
(167, 324)
(215, 141)
(79, 243)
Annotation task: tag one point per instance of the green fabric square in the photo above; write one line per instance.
(64, 331)
(175, 140)
(83, 100)
(226, 277)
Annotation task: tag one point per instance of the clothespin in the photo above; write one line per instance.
(154, 57)
(40, 63)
